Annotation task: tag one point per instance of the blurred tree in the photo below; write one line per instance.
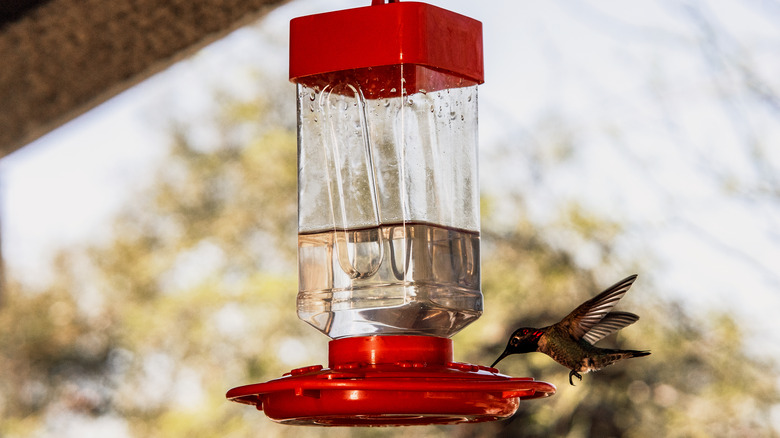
(698, 381)
(196, 294)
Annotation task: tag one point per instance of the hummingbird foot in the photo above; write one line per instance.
(574, 374)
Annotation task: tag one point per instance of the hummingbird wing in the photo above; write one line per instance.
(611, 323)
(582, 319)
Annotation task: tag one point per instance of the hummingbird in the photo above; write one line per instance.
(570, 342)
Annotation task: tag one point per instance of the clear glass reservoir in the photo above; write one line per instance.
(388, 202)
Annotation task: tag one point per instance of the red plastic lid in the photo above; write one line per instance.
(386, 34)
(390, 381)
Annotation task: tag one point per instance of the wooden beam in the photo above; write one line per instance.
(60, 58)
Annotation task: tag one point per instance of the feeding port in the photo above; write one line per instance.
(391, 381)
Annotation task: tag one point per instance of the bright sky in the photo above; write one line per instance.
(627, 80)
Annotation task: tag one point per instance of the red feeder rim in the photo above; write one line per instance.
(390, 381)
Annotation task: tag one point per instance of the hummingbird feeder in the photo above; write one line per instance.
(388, 222)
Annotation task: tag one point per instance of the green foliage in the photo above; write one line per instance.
(195, 294)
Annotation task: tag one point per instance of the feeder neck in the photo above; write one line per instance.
(376, 350)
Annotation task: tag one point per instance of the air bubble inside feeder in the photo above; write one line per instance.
(388, 244)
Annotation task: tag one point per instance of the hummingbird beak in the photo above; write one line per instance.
(503, 355)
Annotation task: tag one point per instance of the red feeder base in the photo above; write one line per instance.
(390, 381)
